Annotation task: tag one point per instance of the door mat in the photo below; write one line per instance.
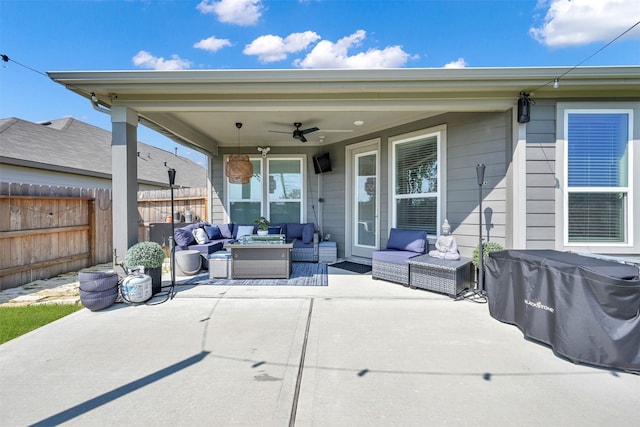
(302, 274)
(352, 266)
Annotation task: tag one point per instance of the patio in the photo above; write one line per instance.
(356, 352)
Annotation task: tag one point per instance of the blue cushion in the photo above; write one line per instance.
(392, 256)
(244, 230)
(283, 227)
(275, 230)
(226, 230)
(183, 237)
(307, 232)
(294, 231)
(407, 240)
(213, 231)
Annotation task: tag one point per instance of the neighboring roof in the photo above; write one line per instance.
(72, 146)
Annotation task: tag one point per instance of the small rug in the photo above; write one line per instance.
(352, 266)
(302, 274)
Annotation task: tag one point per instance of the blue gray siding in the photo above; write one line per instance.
(541, 178)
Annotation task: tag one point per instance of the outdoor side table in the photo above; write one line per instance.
(188, 262)
(440, 275)
(328, 252)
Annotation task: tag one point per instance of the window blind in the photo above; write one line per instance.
(416, 184)
(597, 163)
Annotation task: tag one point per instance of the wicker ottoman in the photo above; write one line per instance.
(439, 275)
(220, 265)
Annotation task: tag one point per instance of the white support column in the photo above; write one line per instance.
(124, 181)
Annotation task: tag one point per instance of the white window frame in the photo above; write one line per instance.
(303, 185)
(440, 132)
(630, 241)
(264, 202)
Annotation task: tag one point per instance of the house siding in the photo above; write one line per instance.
(472, 139)
(541, 181)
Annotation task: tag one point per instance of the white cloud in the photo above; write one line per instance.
(327, 54)
(212, 44)
(580, 22)
(270, 48)
(238, 12)
(144, 59)
(458, 63)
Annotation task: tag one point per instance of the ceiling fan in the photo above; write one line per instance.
(300, 133)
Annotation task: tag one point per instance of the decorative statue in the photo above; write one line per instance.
(446, 246)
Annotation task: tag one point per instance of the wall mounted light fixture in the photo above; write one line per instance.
(524, 108)
(264, 151)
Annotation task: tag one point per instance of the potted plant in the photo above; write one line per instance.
(149, 255)
(487, 248)
(263, 225)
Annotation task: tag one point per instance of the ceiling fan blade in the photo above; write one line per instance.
(302, 138)
(313, 129)
(279, 131)
(336, 130)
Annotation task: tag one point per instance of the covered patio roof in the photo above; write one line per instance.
(199, 108)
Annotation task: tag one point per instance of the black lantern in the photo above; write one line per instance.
(524, 108)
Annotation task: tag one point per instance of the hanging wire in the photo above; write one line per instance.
(556, 80)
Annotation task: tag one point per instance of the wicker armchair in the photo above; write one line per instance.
(391, 263)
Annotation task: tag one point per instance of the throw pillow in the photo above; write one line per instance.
(226, 230)
(244, 230)
(307, 233)
(275, 230)
(213, 232)
(200, 236)
(407, 240)
(294, 231)
(183, 237)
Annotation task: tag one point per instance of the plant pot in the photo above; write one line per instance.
(263, 232)
(156, 279)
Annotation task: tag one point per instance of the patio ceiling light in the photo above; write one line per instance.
(239, 169)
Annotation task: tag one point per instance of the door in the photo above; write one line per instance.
(363, 200)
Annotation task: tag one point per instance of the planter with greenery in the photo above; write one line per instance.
(487, 248)
(149, 255)
(263, 225)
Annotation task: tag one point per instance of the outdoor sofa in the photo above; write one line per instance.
(304, 237)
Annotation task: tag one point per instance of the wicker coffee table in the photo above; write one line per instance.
(440, 275)
(258, 257)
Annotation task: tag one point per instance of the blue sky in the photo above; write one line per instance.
(65, 35)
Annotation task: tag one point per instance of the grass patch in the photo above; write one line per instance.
(15, 321)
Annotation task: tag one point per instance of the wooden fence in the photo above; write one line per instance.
(47, 230)
(155, 206)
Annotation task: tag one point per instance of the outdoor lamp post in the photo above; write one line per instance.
(172, 249)
(480, 173)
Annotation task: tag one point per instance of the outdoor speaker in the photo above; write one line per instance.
(322, 163)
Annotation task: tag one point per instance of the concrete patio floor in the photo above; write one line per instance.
(359, 352)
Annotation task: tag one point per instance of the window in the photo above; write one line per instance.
(597, 206)
(417, 182)
(280, 198)
(285, 190)
(245, 200)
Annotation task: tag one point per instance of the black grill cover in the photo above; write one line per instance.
(586, 309)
